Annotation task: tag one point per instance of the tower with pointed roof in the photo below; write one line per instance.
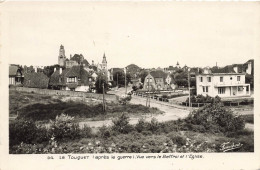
(104, 62)
(61, 57)
(178, 65)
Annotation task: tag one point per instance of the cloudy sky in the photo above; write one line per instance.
(149, 34)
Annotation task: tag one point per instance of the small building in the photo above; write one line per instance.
(15, 75)
(222, 84)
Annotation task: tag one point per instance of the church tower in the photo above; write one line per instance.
(62, 57)
(104, 62)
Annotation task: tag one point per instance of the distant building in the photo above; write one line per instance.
(75, 78)
(222, 84)
(155, 80)
(16, 76)
(61, 57)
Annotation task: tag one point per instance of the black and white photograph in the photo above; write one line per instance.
(104, 78)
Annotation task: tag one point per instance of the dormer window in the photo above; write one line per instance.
(71, 79)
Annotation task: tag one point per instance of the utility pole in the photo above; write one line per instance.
(117, 79)
(148, 94)
(189, 85)
(104, 102)
(125, 83)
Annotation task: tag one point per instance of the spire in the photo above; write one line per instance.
(104, 59)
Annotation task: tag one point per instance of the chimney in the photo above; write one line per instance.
(54, 69)
(60, 70)
(70, 56)
(92, 62)
(198, 70)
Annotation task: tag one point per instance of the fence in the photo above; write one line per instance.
(67, 93)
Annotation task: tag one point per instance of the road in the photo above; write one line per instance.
(171, 112)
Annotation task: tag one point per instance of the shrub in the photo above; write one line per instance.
(154, 125)
(104, 132)
(86, 131)
(141, 125)
(214, 118)
(121, 124)
(177, 139)
(26, 131)
(63, 127)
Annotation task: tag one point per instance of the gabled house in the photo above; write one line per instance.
(75, 78)
(155, 80)
(15, 75)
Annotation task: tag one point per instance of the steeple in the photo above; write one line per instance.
(104, 59)
(104, 62)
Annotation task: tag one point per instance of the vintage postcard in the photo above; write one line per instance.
(132, 85)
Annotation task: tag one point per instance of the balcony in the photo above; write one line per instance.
(230, 83)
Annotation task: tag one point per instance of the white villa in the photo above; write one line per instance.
(222, 84)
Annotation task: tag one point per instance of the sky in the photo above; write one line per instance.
(148, 34)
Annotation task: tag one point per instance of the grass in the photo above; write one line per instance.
(43, 108)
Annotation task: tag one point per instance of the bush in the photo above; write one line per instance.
(177, 139)
(104, 132)
(214, 118)
(26, 131)
(121, 124)
(141, 126)
(86, 131)
(64, 128)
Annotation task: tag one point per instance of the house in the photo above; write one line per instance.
(75, 78)
(36, 80)
(155, 80)
(222, 84)
(15, 75)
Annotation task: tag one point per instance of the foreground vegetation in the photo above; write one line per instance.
(212, 128)
(44, 108)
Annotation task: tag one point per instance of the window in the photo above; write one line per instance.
(201, 79)
(209, 79)
(71, 79)
(240, 88)
(221, 79)
(221, 90)
(205, 89)
(238, 78)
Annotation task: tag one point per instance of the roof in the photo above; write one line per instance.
(226, 69)
(35, 80)
(57, 78)
(104, 59)
(216, 74)
(158, 74)
(75, 71)
(13, 70)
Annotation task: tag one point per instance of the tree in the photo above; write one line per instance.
(99, 83)
(142, 75)
(120, 76)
